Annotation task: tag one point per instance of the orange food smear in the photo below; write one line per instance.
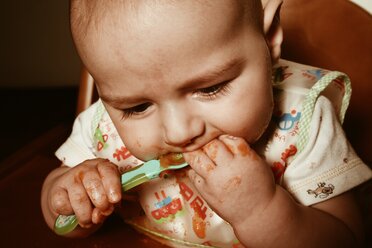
(171, 159)
(198, 225)
(243, 149)
(213, 148)
(232, 183)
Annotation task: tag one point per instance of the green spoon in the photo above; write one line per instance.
(130, 179)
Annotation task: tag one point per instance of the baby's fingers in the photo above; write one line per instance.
(238, 146)
(218, 152)
(110, 177)
(200, 163)
(60, 202)
(81, 204)
(93, 186)
(98, 216)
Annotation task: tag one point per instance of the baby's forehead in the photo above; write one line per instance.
(137, 34)
(103, 14)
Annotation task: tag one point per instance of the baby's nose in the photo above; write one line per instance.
(182, 127)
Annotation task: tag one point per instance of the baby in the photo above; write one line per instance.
(269, 163)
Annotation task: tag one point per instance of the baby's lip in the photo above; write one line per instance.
(189, 148)
(196, 145)
(192, 148)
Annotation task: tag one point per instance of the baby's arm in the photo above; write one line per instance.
(285, 223)
(88, 190)
(240, 187)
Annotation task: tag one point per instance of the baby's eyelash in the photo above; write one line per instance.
(136, 110)
(214, 91)
(209, 93)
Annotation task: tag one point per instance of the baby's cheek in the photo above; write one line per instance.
(141, 148)
(139, 144)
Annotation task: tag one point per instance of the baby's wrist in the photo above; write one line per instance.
(258, 214)
(270, 217)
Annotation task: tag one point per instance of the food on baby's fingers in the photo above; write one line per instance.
(130, 179)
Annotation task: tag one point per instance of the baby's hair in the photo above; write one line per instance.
(87, 14)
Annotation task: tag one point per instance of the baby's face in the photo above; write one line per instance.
(177, 76)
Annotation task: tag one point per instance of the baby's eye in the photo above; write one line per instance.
(214, 90)
(136, 110)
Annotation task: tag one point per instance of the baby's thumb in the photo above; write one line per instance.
(99, 216)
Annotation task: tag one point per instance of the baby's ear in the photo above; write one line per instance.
(273, 30)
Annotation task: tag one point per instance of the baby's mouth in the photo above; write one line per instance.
(171, 159)
(191, 146)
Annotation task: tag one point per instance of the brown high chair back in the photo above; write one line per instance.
(333, 34)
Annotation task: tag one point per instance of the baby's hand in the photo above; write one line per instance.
(88, 190)
(232, 178)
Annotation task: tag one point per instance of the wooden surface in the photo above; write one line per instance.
(21, 221)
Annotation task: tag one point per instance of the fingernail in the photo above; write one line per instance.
(108, 211)
(114, 196)
(86, 225)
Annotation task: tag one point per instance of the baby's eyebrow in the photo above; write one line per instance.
(214, 73)
(114, 100)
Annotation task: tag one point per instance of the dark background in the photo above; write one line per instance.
(28, 113)
(39, 71)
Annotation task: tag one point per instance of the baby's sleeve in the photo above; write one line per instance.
(79, 145)
(328, 166)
